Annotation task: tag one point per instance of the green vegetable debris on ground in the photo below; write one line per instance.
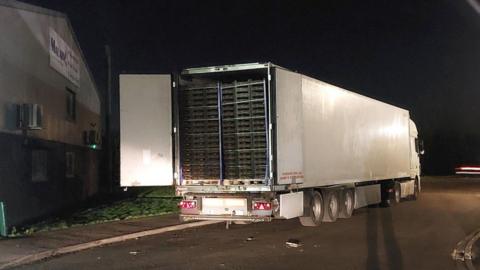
(143, 203)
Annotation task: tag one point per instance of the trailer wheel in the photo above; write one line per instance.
(314, 212)
(348, 199)
(331, 206)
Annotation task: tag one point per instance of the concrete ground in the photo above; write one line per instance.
(16, 248)
(413, 235)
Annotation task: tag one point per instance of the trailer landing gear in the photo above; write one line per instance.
(391, 193)
(397, 193)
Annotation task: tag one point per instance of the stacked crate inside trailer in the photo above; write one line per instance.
(227, 145)
(200, 133)
(244, 131)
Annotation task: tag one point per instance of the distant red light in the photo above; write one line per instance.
(468, 169)
(188, 204)
(262, 205)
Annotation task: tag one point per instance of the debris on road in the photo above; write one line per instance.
(134, 252)
(464, 249)
(250, 238)
(295, 243)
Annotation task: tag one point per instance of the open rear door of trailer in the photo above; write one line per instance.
(146, 143)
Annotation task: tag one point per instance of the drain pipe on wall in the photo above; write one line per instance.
(3, 221)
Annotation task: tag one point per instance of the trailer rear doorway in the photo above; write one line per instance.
(223, 129)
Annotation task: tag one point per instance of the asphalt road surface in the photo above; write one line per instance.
(412, 235)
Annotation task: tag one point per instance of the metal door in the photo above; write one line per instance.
(146, 130)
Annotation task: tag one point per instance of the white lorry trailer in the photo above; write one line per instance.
(254, 142)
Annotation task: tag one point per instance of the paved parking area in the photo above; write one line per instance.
(413, 235)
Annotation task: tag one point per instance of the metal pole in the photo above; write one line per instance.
(220, 130)
(108, 101)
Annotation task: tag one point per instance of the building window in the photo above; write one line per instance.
(39, 165)
(71, 105)
(69, 164)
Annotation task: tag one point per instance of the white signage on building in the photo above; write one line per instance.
(63, 59)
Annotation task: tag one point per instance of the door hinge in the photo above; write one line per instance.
(174, 129)
(173, 84)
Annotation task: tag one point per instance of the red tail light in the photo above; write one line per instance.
(262, 205)
(188, 204)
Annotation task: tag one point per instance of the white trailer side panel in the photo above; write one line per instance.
(347, 137)
(145, 130)
(289, 127)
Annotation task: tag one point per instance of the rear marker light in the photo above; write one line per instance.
(188, 204)
(262, 206)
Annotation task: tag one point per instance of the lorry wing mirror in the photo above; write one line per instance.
(421, 147)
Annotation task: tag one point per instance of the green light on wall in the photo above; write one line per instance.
(93, 146)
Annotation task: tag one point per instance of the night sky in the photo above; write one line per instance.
(423, 56)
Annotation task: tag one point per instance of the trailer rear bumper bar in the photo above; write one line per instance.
(181, 190)
(185, 217)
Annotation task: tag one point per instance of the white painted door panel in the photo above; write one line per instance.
(145, 130)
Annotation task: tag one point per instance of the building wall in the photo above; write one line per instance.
(26, 200)
(27, 77)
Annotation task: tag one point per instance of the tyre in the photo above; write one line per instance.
(397, 193)
(313, 214)
(332, 206)
(387, 193)
(348, 203)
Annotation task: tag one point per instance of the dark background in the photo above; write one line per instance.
(423, 56)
